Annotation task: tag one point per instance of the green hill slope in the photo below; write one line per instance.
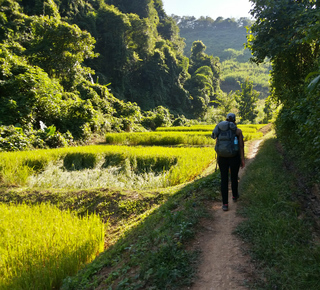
(226, 38)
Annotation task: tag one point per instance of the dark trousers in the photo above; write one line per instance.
(232, 163)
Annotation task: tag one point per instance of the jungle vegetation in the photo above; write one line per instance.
(286, 33)
(70, 71)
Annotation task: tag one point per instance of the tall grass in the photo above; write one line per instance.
(163, 138)
(16, 167)
(245, 128)
(40, 245)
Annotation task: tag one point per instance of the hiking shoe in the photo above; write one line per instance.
(235, 198)
(225, 207)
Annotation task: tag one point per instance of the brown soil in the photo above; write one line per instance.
(223, 262)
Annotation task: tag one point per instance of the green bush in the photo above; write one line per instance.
(13, 139)
(159, 117)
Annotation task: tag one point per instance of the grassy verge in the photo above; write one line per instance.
(154, 253)
(276, 228)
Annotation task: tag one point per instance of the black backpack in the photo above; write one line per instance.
(225, 132)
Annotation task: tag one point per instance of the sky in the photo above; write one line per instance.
(212, 8)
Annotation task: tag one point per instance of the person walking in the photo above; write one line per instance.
(230, 156)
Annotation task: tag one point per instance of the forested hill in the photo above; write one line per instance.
(226, 38)
(76, 65)
(72, 69)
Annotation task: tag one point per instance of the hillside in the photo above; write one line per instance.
(226, 38)
(69, 73)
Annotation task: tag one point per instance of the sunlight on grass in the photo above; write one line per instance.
(116, 176)
(152, 226)
(40, 245)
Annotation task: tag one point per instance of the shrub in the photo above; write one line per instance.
(13, 139)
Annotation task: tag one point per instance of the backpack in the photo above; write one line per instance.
(225, 132)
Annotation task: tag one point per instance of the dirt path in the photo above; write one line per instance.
(223, 263)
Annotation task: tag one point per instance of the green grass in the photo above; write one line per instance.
(209, 128)
(154, 253)
(147, 233)
(161, 138)
(40, 245)
(279, 234)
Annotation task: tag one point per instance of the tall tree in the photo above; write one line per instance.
(205, 77)
(247, 102)
(284, 32)
(225, 103)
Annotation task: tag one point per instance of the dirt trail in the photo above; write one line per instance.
(223, 264)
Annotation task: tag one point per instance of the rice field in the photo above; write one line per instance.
(170, 166)
(44, 244)
(40, 245)
(170, 136)
(199, 128)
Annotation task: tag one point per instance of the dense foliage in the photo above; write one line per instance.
(90, 66)
(70, 71)
(224, 37)
(44, 80)
(286, 32)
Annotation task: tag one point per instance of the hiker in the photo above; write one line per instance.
(230, 155)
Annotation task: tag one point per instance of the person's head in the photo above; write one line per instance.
(231, 117)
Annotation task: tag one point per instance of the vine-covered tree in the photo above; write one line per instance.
(204, 81)
(62, 62)
(43, 78)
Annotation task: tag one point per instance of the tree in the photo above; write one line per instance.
(205, 77)
(286, 32)
(58, 48)
(247, 100)
(201, 85)
(268, 111)
(280, 34)
(225, 103)
(28, 95)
